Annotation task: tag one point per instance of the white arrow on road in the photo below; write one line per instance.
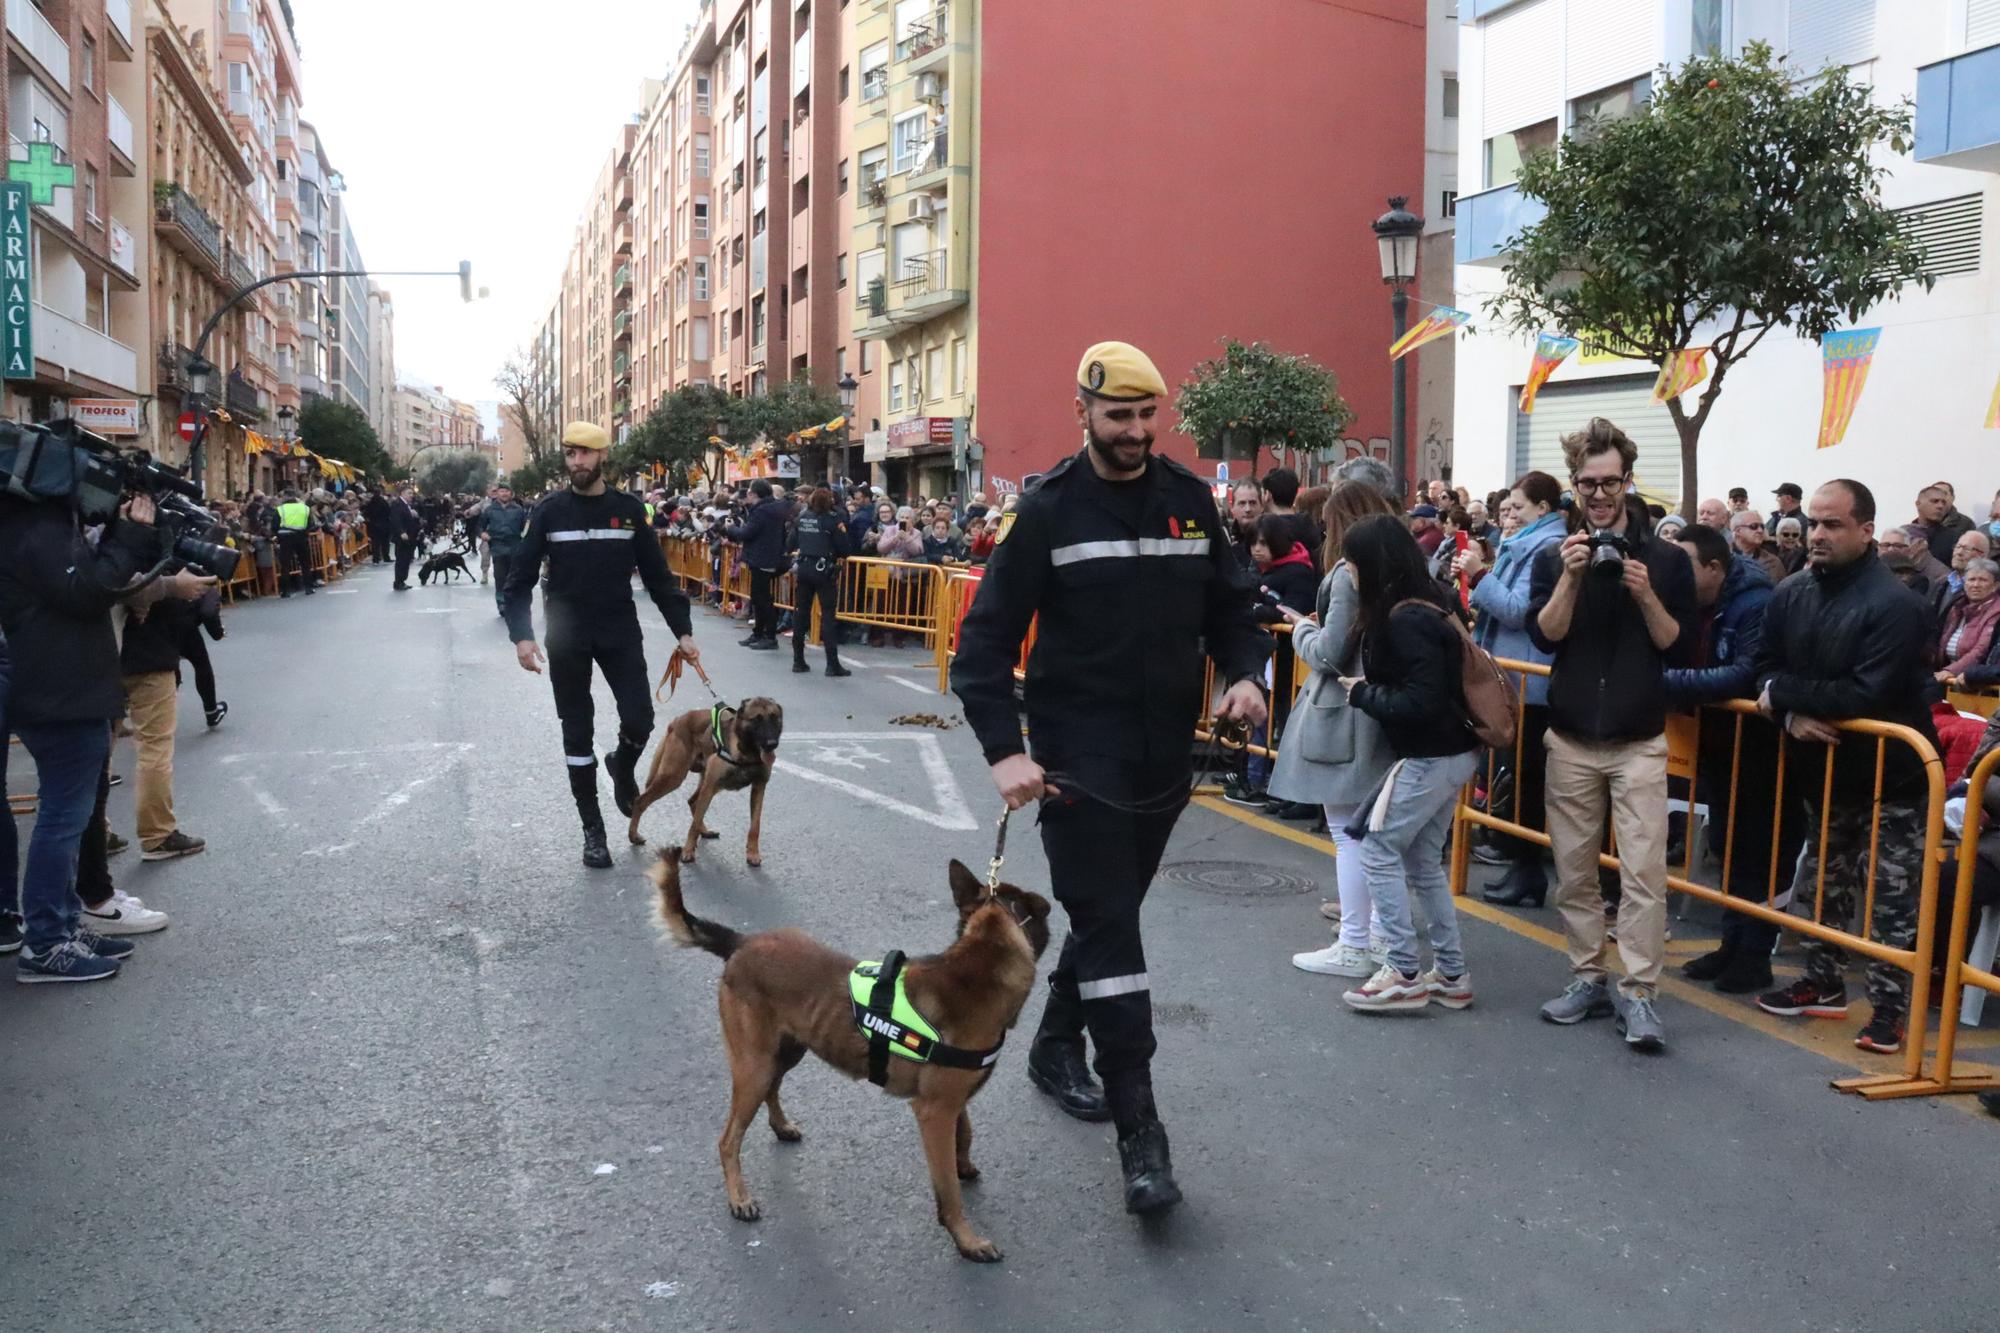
(951, 813)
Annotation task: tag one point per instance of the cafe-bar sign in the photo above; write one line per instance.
(17, 341)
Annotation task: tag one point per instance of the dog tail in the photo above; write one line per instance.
(689, 931)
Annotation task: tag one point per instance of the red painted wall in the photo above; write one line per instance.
(1173, 172)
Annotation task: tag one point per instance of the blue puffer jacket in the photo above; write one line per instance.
(1501, 600)
(1734, 636)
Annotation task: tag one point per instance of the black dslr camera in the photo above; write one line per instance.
(62, 463)
(1608, 552)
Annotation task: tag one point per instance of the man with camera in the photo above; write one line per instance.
(56, 596)
(1613, 604)
(761, 535)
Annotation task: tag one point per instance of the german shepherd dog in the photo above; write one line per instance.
(783, 994)
(749, 735)
(442, 565)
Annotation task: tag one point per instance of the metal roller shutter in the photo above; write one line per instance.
(1627, 401)
(1982, 23)
(1829, 32)
(1610, 41)
(1523, 67)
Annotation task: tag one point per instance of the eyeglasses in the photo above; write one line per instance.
(1598, 485)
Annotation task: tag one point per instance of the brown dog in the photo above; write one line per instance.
(783, 994)
(732, 748)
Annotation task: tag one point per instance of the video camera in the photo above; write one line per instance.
(62, 463)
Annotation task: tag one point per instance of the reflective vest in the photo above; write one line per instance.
(293, 516)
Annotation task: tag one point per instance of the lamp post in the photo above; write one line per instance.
(1396, 234)
(847, 386)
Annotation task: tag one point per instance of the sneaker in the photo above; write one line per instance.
(1883, 1035)
(1487, 854)
(103, 946)
(1330, 909)
(1805, 998)
(1236, 791)
(175, 844)
(1451, 992)
(113, 844)
(1389, 991)
(123, 915)
(1378, 948)
(1639, 1023)
(1580, 1000)
(1336, 960)
(10, 933)
(68, 961)
(217, 713)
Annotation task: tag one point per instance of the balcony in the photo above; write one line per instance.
(875, 84)
(242, 397)
(621, 325)
(238, 272)
(925, 37)
(240, 102)
(118, 129)
(917, 290)
(874, 193)
(621, 281)
(82, 350)
(1489, 219)
(187, 227)
(621, 368)
(622, 238)
(119, 14)
(45, 45)
(1958, 111)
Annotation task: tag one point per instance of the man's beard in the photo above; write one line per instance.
(582, 477)
(1106, 452)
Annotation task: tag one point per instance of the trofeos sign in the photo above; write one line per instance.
(17, 337)
(917, 432)
(106, 416)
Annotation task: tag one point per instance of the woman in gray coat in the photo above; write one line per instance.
(1334, 755)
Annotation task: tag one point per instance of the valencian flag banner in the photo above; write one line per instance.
(1682, 372)
(1846, 354)
(1441, 321)
(1993, 409)
(1551, 350)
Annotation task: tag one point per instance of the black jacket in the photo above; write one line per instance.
(1607, 682)
(404, 525)
(1727, 640)
(1846, 644)
(1297, 586)
(1128, 586)
(56, 595)
(153, 642)
(592, 544)
(761, 534)
(1944, 537)
(820, 541)
(1416, 684)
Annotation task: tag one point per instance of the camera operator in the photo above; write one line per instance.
(150, 658)
(1614, 605)
(56, 596)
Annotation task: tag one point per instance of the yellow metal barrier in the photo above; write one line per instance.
(1916, 960)
(1286, 676)
(901, 595)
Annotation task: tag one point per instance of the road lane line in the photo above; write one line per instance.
(912, 685)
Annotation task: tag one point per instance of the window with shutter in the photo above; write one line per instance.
(1829, 32)
(1626, 401)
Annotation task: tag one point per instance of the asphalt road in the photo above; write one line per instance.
(402, 1063)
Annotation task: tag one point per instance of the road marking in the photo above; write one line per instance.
(951, 814)
(435, 610)
(340, 592)
(912, 685)
(408, 747)
(265, 801)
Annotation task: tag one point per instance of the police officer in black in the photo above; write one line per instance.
(819, 541)
(593, 539)
(1124, 559)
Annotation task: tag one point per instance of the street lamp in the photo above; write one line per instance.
(1396, 235)
(847, 386)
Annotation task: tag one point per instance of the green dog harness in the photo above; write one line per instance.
(883, 1012)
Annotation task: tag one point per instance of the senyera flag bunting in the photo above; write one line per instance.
(1846, 354)
(1551, 350)
(1682, 371)
(1993, 409)
(1441, 321)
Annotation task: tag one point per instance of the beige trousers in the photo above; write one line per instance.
(153, 701)
(1632, 776)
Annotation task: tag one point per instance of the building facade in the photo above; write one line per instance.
(1527, 71)
(350, 367)
(382, 365)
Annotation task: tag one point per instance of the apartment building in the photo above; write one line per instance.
(1529, 70)
(350, 356)
(382, 365)
(73, 85)
(597, 297)
(308, 175)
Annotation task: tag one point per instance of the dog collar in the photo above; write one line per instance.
(883, 1012)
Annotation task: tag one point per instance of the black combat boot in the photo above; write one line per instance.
(1055, 1059)
(1142, 1148)
(622, 764)
(583, 786)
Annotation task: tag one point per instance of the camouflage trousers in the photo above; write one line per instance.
(1899, 877)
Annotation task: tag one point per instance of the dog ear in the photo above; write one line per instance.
(966, 888)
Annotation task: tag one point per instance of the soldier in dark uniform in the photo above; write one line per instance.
(593, 539)
(1124, 558)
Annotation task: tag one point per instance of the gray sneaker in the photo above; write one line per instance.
(1639, 1022)
(1582, 999)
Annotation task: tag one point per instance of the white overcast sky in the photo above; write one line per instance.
(472, 130)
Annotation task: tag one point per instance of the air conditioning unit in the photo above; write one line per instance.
(930, 88)
(922, 208)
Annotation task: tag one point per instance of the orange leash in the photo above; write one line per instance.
(670, 679)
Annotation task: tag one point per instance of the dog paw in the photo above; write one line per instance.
(747, 1211)
(754, 860)
(687, 856)
(787, 1133)
(967, 1171)
(982, 1251)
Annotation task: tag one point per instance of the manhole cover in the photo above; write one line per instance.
(1237, 880)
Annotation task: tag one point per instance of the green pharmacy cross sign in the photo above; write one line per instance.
(42, 172)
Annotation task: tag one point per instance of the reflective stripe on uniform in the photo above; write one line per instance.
(580, 760)
(593, 535)
(1110, 986)
(1130, 549)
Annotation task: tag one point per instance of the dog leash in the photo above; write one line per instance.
(670, 679)
(999, 854)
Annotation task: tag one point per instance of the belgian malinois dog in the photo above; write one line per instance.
(784, 993)
(732, 748)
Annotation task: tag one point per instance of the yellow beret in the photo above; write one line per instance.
(1119, 371)
(586, 435)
